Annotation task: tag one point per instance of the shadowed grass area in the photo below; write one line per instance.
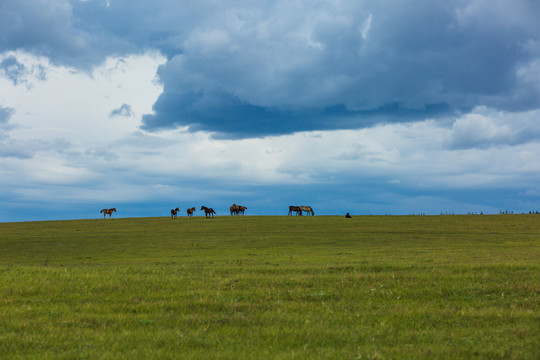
(271, 287)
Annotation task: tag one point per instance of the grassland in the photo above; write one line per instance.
(370, 287)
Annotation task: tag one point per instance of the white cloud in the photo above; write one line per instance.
(475, 130)
(59, 132)
(75, 105)
(485, 127)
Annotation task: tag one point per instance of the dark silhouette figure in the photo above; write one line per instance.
(348, 216)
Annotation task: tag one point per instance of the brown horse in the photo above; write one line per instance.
(190, 212)
(307, 209)
(296, 209)
(241, 209)
(208, 211)
(234, 209)
(174, 213)
(108, 211)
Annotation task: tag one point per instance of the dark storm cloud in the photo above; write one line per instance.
(232, 118)
(350, 68)
(44, 27)
(83, 33)
(273, 67)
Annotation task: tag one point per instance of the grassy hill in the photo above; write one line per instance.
(271, 287)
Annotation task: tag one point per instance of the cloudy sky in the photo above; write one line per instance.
(360, 106)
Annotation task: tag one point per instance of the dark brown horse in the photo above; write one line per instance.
(208, 211)
(190, 212)
(241, 209)
(174, 213)
(307, 209)
(296, 209)
(108, 211)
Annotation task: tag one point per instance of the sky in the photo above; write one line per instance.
(372, 107)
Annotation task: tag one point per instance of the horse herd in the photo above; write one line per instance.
(235, 210)
(209, 212)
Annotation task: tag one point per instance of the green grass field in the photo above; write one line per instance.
(263, 287)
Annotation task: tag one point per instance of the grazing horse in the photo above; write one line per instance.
(208, 211)
(296, 209)
(241, 209)
(108, 211)
(234, 209)
(307, 209)
(174, 213)
(190, 212)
